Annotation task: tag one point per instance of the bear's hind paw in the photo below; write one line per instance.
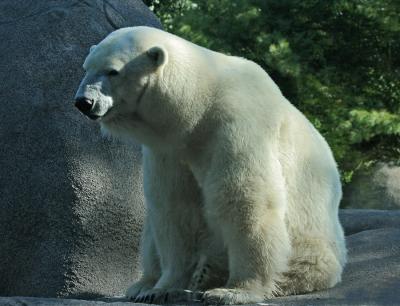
(222, 296)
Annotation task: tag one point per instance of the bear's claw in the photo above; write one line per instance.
(137, 288)
(170, 296)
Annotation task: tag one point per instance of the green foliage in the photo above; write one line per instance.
(337, 61)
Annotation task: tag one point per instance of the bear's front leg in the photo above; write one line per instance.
(174, 215)
(150, 264)
(245, 203)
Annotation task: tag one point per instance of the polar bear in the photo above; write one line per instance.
(242, 192)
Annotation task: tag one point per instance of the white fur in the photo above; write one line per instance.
(242, 192)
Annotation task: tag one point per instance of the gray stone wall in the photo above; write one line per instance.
(71, 204)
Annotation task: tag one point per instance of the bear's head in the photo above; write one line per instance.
(122, 82)
(147, 84)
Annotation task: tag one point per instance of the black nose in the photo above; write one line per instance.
(84, 104)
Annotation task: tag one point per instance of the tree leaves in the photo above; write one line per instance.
(337, 61)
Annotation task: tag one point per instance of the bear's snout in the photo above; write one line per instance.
(85, 105)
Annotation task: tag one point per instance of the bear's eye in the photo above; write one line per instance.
(112, 72)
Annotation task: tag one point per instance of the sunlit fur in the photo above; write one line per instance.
(242, 192)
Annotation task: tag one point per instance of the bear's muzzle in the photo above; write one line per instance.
(85, 105)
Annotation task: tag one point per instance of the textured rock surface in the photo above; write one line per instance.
(358, 220)
(71, 201)
(371, 277)
(377, 188)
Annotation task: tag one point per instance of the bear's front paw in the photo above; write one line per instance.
(138, 287)
(222, 296)
(168, 296)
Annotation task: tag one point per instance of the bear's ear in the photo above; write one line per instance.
(158, 55)
(92, 48)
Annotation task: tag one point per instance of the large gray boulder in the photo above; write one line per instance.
(375, 188)
(71, 203)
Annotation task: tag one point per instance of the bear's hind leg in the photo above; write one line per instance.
(312, 267)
